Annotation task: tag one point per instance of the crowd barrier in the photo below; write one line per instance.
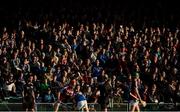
(112, 107)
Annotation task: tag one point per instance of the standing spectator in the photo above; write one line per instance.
(20, 83)
(80, 99)
(29, 100)
(93, 98)
(96, 70)
(105, 94)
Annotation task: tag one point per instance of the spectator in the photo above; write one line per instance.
(44, 85)
(29, 100)
(26, 68)
(96, 70)
(153, 97)
(105, 94)
(48, 97)
(9, 86)
(50, 53)
(20, 83)
(5, 68)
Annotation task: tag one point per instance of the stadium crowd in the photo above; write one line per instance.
(44, 57)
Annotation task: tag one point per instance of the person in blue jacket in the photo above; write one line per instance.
(80, 99)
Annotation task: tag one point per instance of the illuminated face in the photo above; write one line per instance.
(97, 62)
(69, 91)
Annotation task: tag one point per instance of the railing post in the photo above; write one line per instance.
(128, 106)
(112, 104)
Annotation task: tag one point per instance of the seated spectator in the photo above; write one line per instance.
(38, 97)
(26, 68)
(48, 97)
(54, 86)
(20, 83)
(9, 86)
(44, 86)
(16, 62)
(5, 68)
(117, 98)
(152, 95)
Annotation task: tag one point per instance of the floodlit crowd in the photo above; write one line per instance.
(45, 58)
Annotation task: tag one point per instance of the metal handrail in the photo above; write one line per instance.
(112, 107)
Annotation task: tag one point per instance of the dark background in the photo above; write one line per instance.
(139, 12)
